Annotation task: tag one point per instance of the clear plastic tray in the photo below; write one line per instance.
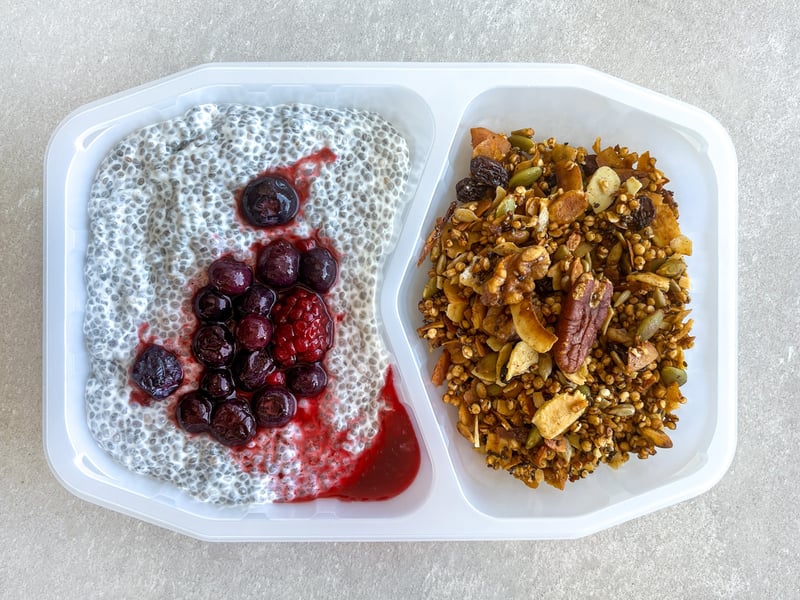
(454, 496)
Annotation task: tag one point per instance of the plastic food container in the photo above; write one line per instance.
(454, 495)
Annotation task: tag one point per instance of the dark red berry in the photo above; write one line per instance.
(318, 269)
(269, 201)
(306, 380)
(193, 412)
(217, 383)
(251, 369)
(254, 332)
(274, 406)
(303, 328)
(258, 300)
(233, 423)
(278, 263)
(213, 345)
(211, 305)
(487, 171)
(230, 276)
(157, 371)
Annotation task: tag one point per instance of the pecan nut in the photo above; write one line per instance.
(585, 308)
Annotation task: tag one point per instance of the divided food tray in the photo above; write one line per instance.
(433, 105)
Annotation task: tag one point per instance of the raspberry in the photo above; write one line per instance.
(303, 328)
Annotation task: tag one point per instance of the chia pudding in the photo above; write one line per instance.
(162, 208)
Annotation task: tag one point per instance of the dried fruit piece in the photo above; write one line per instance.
(644, 215)
(556, 415)
(529, 327)
(568, 207)
(585, 308)
(469, 190)
(488, 172)
(601, 187)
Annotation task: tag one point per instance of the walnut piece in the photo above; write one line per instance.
(514, 275)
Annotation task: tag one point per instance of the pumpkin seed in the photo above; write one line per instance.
(650, 325)
(525, 177)
(623, 297)
(659, 298)
(672, 267)
(430, 288)
(534, 438)
(670, 375)
(506, 205)
(464, 215)
(522, 142)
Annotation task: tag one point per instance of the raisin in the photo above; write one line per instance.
(644, 215)
(488, 171)
(469, 190)
(544, 286)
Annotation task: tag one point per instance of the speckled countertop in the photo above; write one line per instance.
(737, 60)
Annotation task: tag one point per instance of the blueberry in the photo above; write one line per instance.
(213, 345)
(278, 264)
(194, 412)
(254, 332)
(318, 269)
(211, 305)
(251, 369)
(233, 423)
(306, 380)
(157, 371)
(274, 406)
(269, 201)
(217, 383)
(230, 276)
(258, 300)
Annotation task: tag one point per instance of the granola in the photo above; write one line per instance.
(558, 299)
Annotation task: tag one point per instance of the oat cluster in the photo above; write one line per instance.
(162, 208)
(557, 299)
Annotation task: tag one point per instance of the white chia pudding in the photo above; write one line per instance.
(162, 208)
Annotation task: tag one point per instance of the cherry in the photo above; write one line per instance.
(213, 345)
(254, 332)
(157, 371)
(269, 201)
(274, 406)
(251, 369)
(278, 263)
(306, 380)
(318, 269)
(217, 383)
(258, 300)
(211, 305)
(230, 276)
(233, 423)
(193, 412)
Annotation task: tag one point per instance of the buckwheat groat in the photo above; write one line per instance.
(162, 209)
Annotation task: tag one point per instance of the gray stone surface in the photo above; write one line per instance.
(736, 59)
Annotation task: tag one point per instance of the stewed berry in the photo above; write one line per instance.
(230, 276)
(269, 201)
(217, 383)
(318, 269)
(213, 345)
(157, 371)
(274, 406)
(193, 412)
(211, 305)
(254, 332)
(257, 300)
(251, 369)
(278, 264)
(233, 423)
(306, 380)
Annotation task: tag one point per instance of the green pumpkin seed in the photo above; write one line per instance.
(670, 375)
(430, 288)
(525, 177)
(522, 142)
(672, 267)
(507, 205)
(623, 297)
(659, 298)
(534, 437)
(650, 325)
